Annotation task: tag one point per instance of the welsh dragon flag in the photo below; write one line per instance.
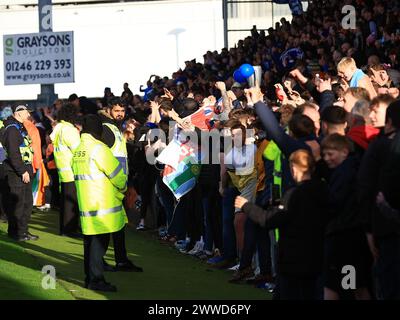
(182, 167)
(181, 159)
(39, 183)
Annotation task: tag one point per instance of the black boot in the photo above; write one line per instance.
(101, 285)
(128, 266)
(107, 267)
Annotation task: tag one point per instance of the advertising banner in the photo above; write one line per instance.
(41, 58)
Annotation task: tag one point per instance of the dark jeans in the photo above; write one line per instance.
(387, 268)
(297, 287)
(193, 212)
(19, 204)
(257, 238)
(211, 203)
(95, 247)
(175, 214)
(69, 211)
(146, 189)
(161, 213)
(228, 229)
(177, 225)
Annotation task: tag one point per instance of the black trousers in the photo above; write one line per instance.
(119, 246)
(211, 204)
(95, 247)
(69, 211)
(256, 238)
(54, 189)
(191, 203)
(297, 287)
(19, 203)
(148, 181)
(387, 268)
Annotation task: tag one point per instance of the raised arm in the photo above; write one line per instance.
(286, 144)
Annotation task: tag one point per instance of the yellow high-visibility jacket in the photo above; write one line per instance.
(100, 183)
(119, 148)
(65, 138)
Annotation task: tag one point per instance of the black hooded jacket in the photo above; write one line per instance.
(301, 220)
(344, 210)
(12, 139)
(107, 136)
(373, 176)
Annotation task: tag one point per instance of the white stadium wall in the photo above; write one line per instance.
(121, 42)
(127, 42)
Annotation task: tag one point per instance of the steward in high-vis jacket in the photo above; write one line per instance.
(100, 183)
(18, 174)
(65, 138)
(112, 136)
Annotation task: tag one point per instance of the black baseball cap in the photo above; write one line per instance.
(21, 107)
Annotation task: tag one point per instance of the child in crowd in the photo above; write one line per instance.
(301, 219)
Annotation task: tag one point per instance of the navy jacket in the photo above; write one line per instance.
(286, 143)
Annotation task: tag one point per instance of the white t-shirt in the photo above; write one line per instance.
(241, 160)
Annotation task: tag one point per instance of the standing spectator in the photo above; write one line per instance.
(256, 238)
(74, 100)
(344, 234)
(301, 218)
(334, 120)
(107, 95)
(377, 173)
(241, 178)
(52, 170)
(127, 94)
(378, 110)
(352, 95)
(361, 131)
